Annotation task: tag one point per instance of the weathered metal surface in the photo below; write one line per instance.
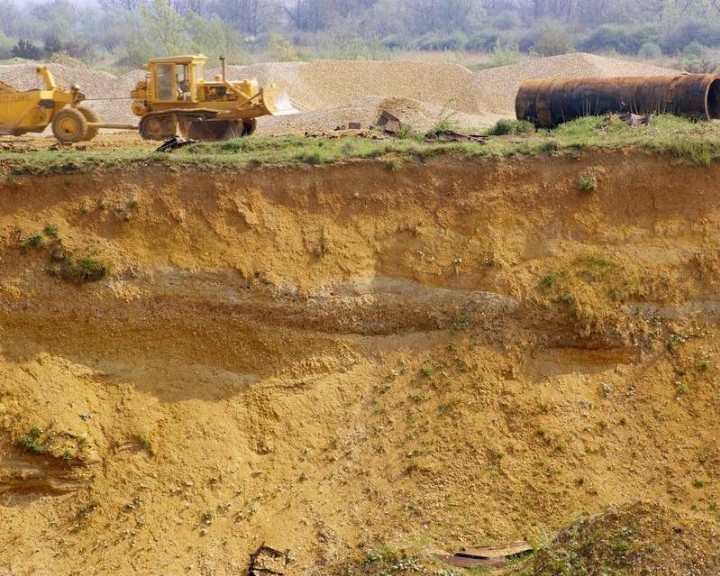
(548, 102)
(486, 556)
(467, 562)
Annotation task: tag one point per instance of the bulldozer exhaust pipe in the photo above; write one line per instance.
(548, 102)
(222, 66)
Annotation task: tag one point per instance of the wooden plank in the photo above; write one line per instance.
(502, 551)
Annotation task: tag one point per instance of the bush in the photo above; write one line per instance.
(553, 39)
(26, 49)
(483, 41)
(505, 56)
(454, 41)
(694, 59)
(506, 21)
(677, 38)
(504, 127)
(650, 50)
(612, 37)
(85, 269)
(6, 46)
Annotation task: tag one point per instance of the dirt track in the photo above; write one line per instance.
(342, 358)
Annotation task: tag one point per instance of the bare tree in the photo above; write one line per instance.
(562, 10)
(309, 15)
(129, 5)
(249, 17)
(196, 6)
(9, 18)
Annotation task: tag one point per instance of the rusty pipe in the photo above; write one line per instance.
(548, 102)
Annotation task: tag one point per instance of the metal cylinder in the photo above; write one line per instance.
(550, 101)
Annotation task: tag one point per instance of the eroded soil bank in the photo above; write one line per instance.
(335, 360)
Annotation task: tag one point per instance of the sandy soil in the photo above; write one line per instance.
(343, 359)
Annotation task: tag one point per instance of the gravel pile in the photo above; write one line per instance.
(332, 83)
(498, 86)
(331, 93)
(420, 116)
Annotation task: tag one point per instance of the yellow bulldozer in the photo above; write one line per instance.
(33, 110)
(176, 99)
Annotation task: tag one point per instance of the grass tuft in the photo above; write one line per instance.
(82, 270)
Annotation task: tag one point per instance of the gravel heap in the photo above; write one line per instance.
(332, 83)
(498, 86)
(420, 116)
(332, 93)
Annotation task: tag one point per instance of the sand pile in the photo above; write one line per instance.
(498, 86)
(418, 115)
(331, 93)
(333, 83)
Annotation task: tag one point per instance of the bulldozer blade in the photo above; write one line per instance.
(277, 102)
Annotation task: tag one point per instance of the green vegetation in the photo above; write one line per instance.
(123, 34)
(507, 126)
(587, 182)
(590, 286)
(51, 231)
(59, 444)
(82, 270)
(32, 241)
(31, 441)
(685, 141)
(386, 561)
(66, 265)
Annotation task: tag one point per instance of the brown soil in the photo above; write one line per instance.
(340, 359)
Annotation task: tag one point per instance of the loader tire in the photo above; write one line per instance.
(90, 116)
(69, 126)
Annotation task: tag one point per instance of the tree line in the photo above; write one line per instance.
(126, 33)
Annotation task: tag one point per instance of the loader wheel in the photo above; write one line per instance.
(158, 127)
(69, 126)
(90, 116)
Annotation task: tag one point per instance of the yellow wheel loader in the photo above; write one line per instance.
(176, 99)
(34, 110)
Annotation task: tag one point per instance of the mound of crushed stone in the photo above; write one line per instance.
(332, 93)
(635, 539)
(333, 83)
(417, 115)
(498, 86)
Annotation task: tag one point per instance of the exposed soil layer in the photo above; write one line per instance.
(340, 359)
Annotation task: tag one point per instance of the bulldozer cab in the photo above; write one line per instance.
(176, 79)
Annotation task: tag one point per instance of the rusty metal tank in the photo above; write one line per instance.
(548, 102)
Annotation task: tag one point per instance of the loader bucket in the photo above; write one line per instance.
(277, 102)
